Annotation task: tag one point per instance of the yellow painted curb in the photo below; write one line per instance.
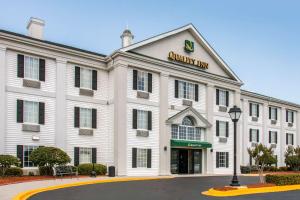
(26, 194)
(245, 191)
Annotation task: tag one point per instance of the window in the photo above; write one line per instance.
(273, 113)
(222, 97)
(31, 112)
(187, 130)
(254, 109)
(289, 116)
(26, 155)
(254, 135)
(141, 158)
(86, 78)
(290, 139)
(142, 81)
(222, 128)
(31, 68)
(222, 159)
(142, 119)
(273, 137)
(85, 118)
(85, 155)
(186, 90)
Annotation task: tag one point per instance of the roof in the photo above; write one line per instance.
(268, 98)
(52, 43)
(197, 35)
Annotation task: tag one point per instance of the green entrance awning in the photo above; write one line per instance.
(190, 144)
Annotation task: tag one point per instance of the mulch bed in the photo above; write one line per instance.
(22, 179)
(259, 185)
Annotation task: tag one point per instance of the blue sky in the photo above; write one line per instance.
(258, 39)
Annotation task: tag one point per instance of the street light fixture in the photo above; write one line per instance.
(235, 113)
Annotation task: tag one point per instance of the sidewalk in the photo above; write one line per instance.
(7, 192)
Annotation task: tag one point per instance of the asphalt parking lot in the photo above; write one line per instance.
(185, 188)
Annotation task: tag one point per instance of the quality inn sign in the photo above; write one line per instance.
(187, 60)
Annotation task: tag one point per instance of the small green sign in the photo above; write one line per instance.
(190, 144)
(189, 46)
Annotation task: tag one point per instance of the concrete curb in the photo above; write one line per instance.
(246, 191)
(27, 194)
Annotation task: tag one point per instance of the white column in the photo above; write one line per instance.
(3, 107)
(297, 114)
(283, 137)
(164, 133)
(120, 119)
(265, 120)
(245, 133)
(210, 92)
(61, 133)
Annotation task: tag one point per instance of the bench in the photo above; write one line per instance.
(65, 170)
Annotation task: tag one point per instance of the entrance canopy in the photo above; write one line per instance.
(190, 144)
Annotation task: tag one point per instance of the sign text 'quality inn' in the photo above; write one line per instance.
(187, 60)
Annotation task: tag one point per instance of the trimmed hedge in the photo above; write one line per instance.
(86, 169)
(14, 171)
(280, 179)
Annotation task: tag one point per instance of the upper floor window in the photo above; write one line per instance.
(85, 118)
(186, 90)
(290, 139)
(254, 109)
(273, 113)
(222, 128)
(85, 78)
(31, 68)
(187, 130)
(273, 137)
(222, 97)
(254, 135)
(142, 81)
(31, 112)
(289, 116)
(141, 119)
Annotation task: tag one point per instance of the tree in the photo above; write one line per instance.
(6, 161)
(49, 157)
(262, 156)
(292, 157)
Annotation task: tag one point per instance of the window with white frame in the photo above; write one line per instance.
(186, 90)
(222, 159)
(141, 158)
(31, 68)
(254, 109)
(222, 128)
(85, 155)
(142, 81)
(273, 137)
(254, 135)
(222, 98)
(142, 119)
(273, 113)
(187, 130)
(290, 139)
(26, 155)
(290, 116)
(85, 118)
(31, 112)
(86, 78)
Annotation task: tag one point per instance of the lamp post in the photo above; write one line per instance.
(235, 113)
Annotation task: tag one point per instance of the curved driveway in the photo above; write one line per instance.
(189, 188)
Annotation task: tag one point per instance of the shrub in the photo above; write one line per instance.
(245, 169)
(30, 174)
(292, 158)
(6, 161)
(283, 169)
(289, 179)
(47, 157)
(86, 169)
(14, 171)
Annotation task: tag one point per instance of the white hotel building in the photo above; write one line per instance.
(154, 107)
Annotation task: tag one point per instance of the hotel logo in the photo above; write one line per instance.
(189, 46)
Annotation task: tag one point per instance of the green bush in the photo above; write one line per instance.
(86, 169)
(283, 169)
(14, 171)
(30, 174)
(6, 161)
(288, 179)
(48, 157)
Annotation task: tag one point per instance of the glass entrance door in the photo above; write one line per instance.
(186, 161)
(197, 164)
